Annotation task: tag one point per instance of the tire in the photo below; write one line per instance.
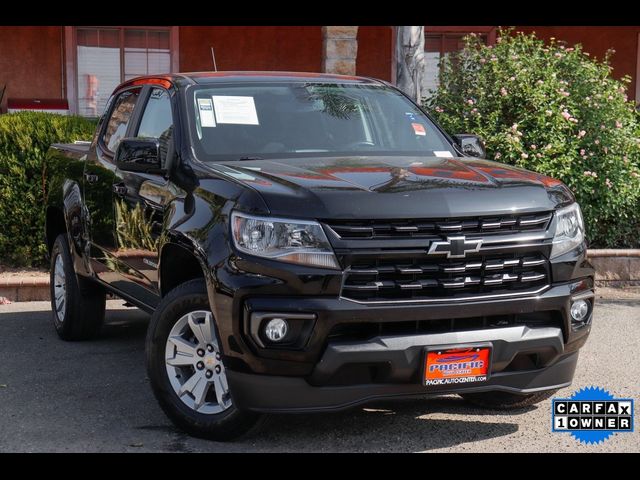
(505, 400)
(173, 365)
(77, 305)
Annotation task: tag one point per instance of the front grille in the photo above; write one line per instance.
(419, 278)
(378, 229)
(369, 330)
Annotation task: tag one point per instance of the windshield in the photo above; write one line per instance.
(276, 120)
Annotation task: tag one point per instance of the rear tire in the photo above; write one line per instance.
(77, 304)
(505, 400)
(186, 369)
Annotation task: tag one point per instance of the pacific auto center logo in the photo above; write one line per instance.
(457, 365)
(592, 415)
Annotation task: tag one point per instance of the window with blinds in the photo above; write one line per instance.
(437, 46)
(107, 56)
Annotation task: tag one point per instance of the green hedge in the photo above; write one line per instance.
(24, 140)
(553, 109)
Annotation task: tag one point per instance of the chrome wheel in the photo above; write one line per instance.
(59, 288)
(194, 365)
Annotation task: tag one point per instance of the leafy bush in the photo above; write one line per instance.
(554, 110)
(24, 140)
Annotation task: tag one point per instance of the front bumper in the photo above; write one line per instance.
(274, 394)
(331, 312)
(525, 358)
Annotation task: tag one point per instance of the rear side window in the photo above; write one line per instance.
(119, 118)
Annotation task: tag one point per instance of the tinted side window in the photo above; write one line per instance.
(119, 119)
(157, 121)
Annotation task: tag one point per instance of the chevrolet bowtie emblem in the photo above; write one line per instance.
(455, 247)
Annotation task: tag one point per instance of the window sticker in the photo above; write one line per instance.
(411, 116)
(418, 129)
(235, 109)
(206, 112)
(442, 153)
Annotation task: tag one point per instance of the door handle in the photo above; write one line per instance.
(120, 189)
(90, 177)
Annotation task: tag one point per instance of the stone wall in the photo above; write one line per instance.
(616, 267)
(339, 49)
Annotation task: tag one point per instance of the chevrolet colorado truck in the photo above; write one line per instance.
(311, 242)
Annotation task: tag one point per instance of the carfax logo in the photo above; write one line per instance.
(592, 415)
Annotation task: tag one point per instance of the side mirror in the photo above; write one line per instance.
(139, 155)
(470, 145)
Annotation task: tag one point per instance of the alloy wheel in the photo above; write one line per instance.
(194, 364)
(59, 288)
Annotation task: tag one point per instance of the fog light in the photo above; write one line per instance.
(276, 329)
(579, 310)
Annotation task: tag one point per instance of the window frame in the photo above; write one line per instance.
(71, 55)
(442, 32)
(111, 105)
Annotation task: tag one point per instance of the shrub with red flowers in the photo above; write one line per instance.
(555, 110)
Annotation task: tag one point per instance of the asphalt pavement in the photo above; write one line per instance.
(95, 397)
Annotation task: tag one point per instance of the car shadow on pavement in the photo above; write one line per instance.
(401, 425)
(129, 324)
(452, 404)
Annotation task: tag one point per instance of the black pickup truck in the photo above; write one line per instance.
(310, 242)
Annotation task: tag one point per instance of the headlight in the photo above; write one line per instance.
(293, 241)
(569, 232)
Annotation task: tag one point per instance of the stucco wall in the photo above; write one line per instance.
(596, 41)
(31, 62)
(375, 45)
(251, 48)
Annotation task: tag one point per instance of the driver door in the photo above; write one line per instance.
(139, 203)
(99, 177)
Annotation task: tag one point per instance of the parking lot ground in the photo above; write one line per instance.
(95, 397)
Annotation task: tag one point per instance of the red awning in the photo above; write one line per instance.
(37, 104)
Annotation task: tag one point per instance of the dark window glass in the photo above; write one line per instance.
(157, 121)
(158, 40)
(308, 119)
(119, 119)
(87, 37)
(145, 52)
(135, 38)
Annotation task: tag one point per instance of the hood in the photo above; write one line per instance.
(395, 187)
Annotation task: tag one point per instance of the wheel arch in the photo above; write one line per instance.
(179, 263)
(55, 224)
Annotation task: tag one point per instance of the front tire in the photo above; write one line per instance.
(77, 305)
(505, 400)
(186, 369)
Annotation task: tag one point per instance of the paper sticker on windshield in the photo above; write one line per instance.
(418, 129)
(206, 112)
(442, 153)
(235, 109)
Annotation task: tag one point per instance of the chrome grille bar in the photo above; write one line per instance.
(409, 228)
(414, 278)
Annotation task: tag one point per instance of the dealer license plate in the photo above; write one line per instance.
(457, 366)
